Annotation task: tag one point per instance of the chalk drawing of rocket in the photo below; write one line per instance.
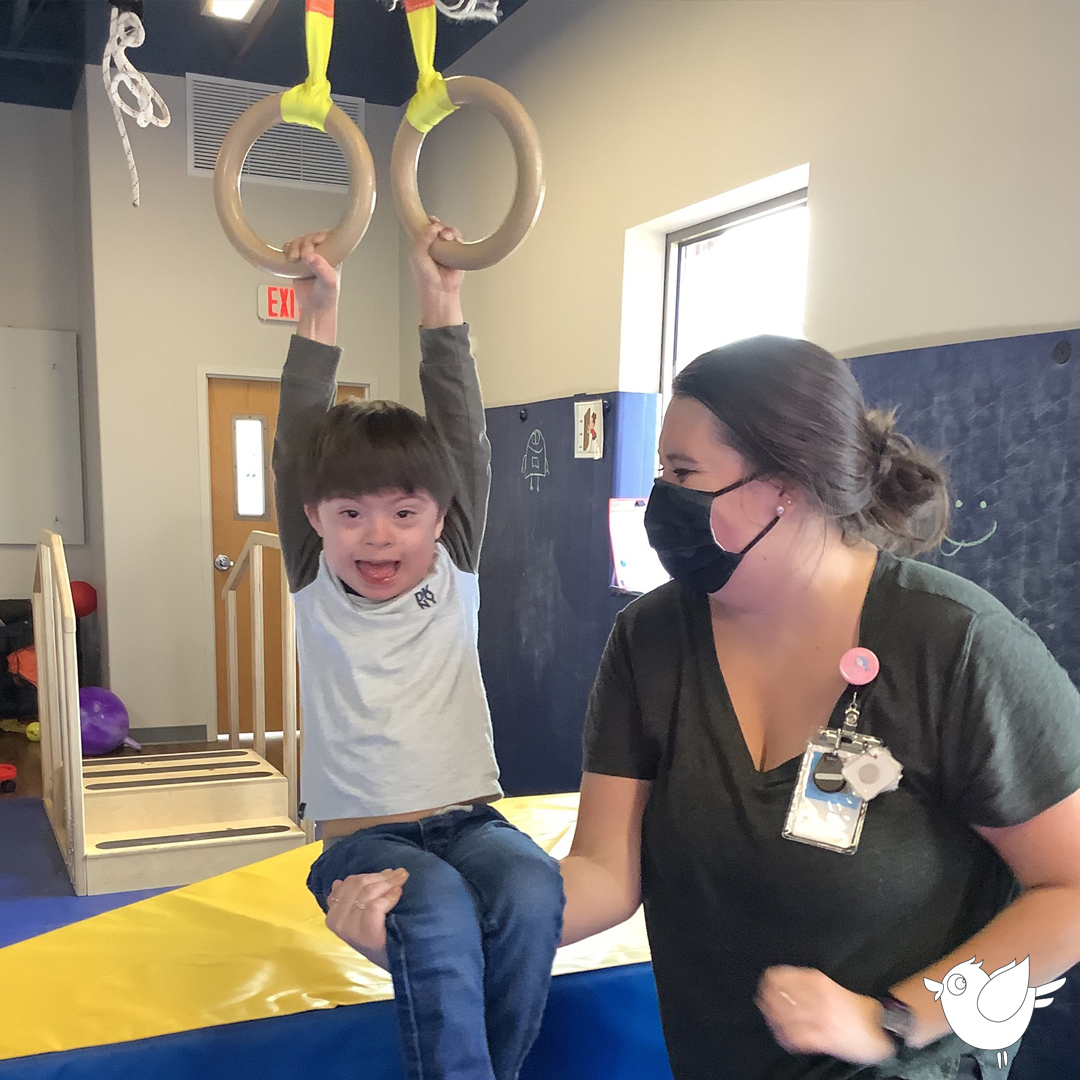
(534, 465)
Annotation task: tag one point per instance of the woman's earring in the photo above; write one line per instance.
(779, 511)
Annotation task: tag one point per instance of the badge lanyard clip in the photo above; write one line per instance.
(841, 771)
(848, 736)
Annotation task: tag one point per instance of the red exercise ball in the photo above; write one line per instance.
(84, 597)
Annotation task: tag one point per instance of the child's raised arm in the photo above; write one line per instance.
(452, 398)
(308, 384)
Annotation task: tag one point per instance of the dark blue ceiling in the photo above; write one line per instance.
(45, 43)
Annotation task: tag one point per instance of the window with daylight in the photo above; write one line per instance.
(733, 277)
(249, 466)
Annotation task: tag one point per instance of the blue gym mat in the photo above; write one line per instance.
(599, 1025)
(35, 892)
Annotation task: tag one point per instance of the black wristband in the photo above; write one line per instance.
(898, 1043)
(897, 1020)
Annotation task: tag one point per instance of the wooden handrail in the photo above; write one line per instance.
(256, 539)
(289, 707)
(55, 544)
(58, 704)
(250, 563)
(58, 692)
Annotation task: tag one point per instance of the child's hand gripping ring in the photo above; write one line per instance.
(525, 209)
(348, 232)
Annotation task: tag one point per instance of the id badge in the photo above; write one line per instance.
(824, 810)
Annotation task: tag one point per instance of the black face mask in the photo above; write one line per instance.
(677, 521)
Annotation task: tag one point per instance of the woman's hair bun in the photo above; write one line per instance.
(793, 410)
(909, 500)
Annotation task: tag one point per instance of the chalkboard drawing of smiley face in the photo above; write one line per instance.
(977, 514)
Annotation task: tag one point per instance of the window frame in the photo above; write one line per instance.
(692, 234)
(267, 514)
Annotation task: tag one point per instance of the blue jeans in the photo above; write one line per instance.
(471, 941)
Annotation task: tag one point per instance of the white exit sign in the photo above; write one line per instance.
(277, 303)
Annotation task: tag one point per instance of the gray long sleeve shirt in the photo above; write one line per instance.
(395, 714)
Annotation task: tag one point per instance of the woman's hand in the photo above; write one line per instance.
(358, 907)
(318, 295)
(437, 287)
(808, 1013)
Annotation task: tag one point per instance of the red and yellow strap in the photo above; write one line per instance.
(310, 102)
(431, 102)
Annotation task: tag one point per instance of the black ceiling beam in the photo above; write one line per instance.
(41, 58)
(18, 20)
(262, 17)
(21, 18)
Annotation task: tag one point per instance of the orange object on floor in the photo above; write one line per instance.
(8, 777)
(23, 663)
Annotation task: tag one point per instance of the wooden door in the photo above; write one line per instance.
(243, 416)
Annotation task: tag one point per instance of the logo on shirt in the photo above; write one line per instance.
(425, 598)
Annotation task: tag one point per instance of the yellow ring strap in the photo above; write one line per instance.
(310, 102)
(431, 103)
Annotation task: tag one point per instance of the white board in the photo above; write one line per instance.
(41, 481)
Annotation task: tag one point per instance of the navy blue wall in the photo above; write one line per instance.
(547, 605)
(1006, 413)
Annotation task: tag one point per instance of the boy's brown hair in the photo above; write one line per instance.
(363, 447)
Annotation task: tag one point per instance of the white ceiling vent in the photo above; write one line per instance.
(288, 154)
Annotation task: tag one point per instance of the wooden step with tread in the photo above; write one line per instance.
(193, 791)
(159, 858)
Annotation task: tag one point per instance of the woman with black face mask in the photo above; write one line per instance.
(787, 514)
(797, 898)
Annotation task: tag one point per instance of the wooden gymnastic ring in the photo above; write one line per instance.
(525, 209)
(348, 232)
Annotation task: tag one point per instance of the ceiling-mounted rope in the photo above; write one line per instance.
(461, 10)
(469, 9)
(126, 32)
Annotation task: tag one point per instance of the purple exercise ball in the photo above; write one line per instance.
(104, 721)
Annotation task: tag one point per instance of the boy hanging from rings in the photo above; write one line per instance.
(381, 513)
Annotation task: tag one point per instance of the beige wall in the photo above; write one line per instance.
(38, 275)
(172, 300)
(942, 167)
(88, 562)
(942, 177)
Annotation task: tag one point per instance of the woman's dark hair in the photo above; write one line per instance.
(796, 413)
(362, 447)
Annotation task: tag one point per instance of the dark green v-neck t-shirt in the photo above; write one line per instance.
(987, 727)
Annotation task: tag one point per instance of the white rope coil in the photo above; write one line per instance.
(470, 9)
(126, 32)
(462, 10)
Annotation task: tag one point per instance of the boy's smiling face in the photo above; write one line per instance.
(382, 544)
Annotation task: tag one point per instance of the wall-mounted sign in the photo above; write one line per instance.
(589, 429)
(277, 303)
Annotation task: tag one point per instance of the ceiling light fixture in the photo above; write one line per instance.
(234, 10)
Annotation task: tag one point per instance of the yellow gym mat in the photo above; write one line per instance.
(247, 945)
